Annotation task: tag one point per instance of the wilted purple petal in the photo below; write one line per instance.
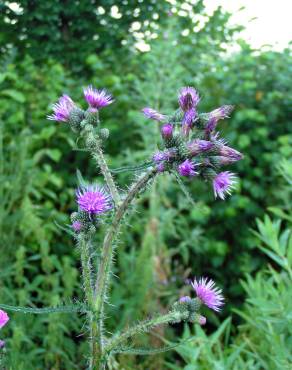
(198, 146)
(188, 98)
(153, 114)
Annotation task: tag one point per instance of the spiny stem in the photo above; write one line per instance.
(94, 145)
(86, 268)
(143, 327)
(84, 246)
(99, 157)
(107, 250)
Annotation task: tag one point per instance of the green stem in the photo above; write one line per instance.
(84, 246)
(107, 250)
(144, 326)
(99, 158)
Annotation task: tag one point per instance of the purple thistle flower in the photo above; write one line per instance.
(185, 299)
(167, 131)
(230, 153)
(158, 157)
(97, 98)
(216, 115)
(208, 293)
(222, 112)
(4, 318)
(62, 109)
(153, 114)
(166, 155)
(188, 98)
(199, 146)
(187, 168)
(93, 199)
(76, 226)
(223, 161)
(223, 183)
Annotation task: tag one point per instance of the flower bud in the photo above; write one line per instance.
(104, 133)
(167, 131)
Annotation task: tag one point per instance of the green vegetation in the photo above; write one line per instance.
(169, 239)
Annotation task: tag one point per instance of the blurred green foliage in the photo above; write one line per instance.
(168, 240)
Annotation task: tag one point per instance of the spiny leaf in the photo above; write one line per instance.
(67, 229)
(150, 351)
(131, 168)
(44, 310)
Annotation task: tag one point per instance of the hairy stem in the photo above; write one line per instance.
(107, 250)
(143, 327)
(94, 145)
(84, 246)
(99, 157)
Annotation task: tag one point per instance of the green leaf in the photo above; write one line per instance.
(13, 94)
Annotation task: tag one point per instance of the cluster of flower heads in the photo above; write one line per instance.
(4, 318)
(92, 200)
(65, 109)
(191, 145)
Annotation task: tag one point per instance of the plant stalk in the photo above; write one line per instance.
(107, 250)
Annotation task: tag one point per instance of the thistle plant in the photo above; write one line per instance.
(192, 150)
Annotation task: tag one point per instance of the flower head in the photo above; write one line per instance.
(167, 130)
(208, 293)
(62, 109)
(188, 98)
(153, 114)
(93, 199)
(199, 146)
(166, 155)
(187, 168)
(223, 183)
(230, 153)
(97, 98)
(4, 318)
(216, 115)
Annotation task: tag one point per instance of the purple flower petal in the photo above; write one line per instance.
(153, 114)
(4, 318)
(208, 293)
(62, 109)
(187, 169)
(97, 98)
(188, 98)
(93, 199)
(223, 183)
